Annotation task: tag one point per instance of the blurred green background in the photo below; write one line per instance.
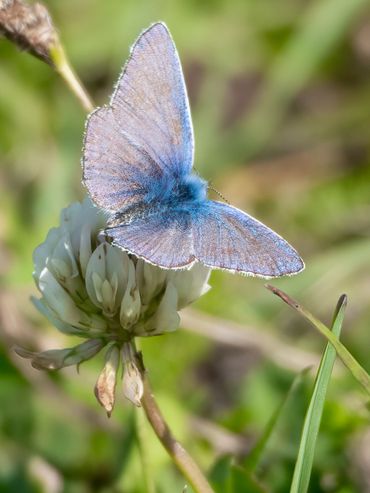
(280, 98)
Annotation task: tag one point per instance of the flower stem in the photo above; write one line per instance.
(65, 70)
(352, 364)
(179, 455)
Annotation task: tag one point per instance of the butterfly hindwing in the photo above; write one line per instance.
(164, 239)
(224, 237)
(212, 233)
(145, 134)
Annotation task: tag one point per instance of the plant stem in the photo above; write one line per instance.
(179, 455)
(65, 70)
(352, 364)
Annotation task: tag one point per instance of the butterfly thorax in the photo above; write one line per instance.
(190, 189)
(182, 194)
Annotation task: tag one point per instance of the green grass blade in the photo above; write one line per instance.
(303, 467)
(359, 373)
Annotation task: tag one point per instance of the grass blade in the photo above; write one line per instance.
(303, 467)
(351, 363)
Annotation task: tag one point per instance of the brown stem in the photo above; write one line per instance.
(179, 455)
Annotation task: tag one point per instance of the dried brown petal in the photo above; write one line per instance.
(105, 386)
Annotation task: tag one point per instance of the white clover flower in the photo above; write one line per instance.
(94, 290)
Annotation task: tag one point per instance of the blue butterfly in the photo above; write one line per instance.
(137, 164)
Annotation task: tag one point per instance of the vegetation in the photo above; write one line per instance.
(280, 103)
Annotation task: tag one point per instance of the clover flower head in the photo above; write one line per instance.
(97, 291)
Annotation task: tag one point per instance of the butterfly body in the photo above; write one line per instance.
(186, 194)
(171, 191)
(138, 162)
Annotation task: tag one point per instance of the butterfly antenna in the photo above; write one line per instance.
(211, 187)
(196, 171)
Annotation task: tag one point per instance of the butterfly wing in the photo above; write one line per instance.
(224, 237)
(213, 233)
(164, 239)
(145, 138)
(145, 135)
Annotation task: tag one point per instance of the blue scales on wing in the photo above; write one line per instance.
(138, 145)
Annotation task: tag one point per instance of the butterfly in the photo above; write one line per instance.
(137, 165)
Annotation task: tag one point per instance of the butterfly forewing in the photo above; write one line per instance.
(145, 134)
